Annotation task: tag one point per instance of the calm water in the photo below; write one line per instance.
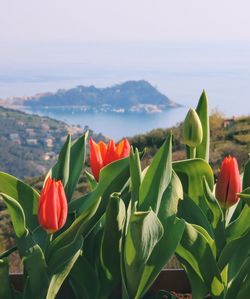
(179, 70)
(115, 125)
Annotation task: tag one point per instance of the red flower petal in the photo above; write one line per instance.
(96, 161)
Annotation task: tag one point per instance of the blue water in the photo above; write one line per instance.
(115, 125)
(179, 70)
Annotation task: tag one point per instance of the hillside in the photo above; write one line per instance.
(131, 96)
(29, 144)
(227, 137)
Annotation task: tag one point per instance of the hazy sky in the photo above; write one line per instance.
(160, 20)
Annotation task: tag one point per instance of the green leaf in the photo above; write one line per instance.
(191, 173)
(239, 226)
(112, 179)
(92, 243)
(157, 178)
(162, 252)
(59, 257)
(202, 151)
(5, 290)
(112, 234)
(91, 180)
(199, 289)
(61, 169)
(84, 280)
(171, 197)
(208, 238)
(245, 194)
(111, 245)
(144, 231)
(245, 288)
(36, 268)
(77, 158)
(215, 217)
(17, 215)
(236, 286)
(36, 279)
(26, 196)
(192, 213)
(246, 176)
(165, 247)
(90, 203)
(195, 250)
(230, 254)
(135, 174)
(61, 271)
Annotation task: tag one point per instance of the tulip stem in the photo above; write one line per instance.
(48, 241)
(8, 252)
(190, 152)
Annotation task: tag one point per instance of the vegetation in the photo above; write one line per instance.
(29, 144)
(128, 96)
(228, 137)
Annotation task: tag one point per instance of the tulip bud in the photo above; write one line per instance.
(192, 129)
(53, 208)
(229, 183)
(102, 154)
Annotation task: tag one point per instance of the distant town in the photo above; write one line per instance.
(30, 144)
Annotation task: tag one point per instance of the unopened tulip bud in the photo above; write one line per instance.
(229, 183)
(192, 129)
(53, 207)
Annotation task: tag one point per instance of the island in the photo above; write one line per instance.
(130, 96)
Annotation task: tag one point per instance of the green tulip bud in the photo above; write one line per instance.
(192, 129)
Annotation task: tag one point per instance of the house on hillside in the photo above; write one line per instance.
(31, 141)
(228, 122)
(49, 142)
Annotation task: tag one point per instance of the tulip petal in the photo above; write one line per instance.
(234, 183)
(119, 148)
(102, 154)
(51, 208)
(229, 182)
(63, 205)
(125, 150)
(111, 153)
(96, 161)
(103, 149)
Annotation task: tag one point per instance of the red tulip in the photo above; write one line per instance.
(102, 154)
(229, 182)
(53, 208)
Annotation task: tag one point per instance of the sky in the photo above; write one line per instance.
(121, 20)
(180, 46)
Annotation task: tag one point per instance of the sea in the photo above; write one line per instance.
(180, 70)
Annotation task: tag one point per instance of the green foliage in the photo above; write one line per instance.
(151, 223)
(202, 151)
(46, 263)
(110, 250)
(5, 290)
(125, 227)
